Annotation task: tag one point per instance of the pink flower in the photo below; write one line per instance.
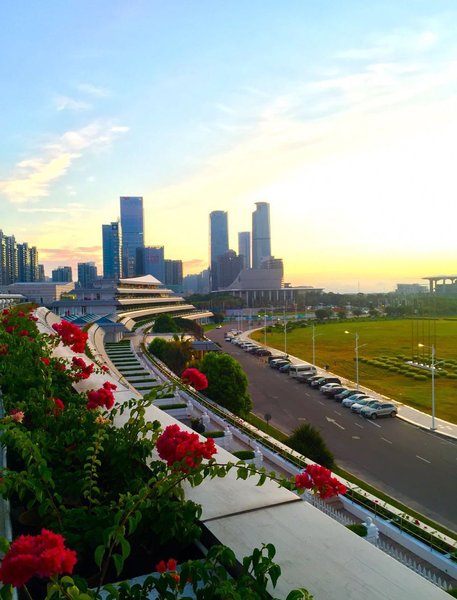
(17, 415)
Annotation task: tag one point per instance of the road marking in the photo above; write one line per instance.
(388, 441)
(356, 437)
(424, 459)
(358, 425)
(373, 423)
(338, 413)
(334, 422)
(302, 418)
(321, 403)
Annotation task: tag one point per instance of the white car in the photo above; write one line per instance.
(383, 409)
(329, 386)
(350, 400)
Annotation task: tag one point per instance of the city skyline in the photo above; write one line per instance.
(341, 117)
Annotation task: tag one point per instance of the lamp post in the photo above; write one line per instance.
(356, 358)
(265, 326)
(432, 367)
(314, 345)
(285, 332)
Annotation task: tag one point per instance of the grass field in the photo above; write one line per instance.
(389, 338)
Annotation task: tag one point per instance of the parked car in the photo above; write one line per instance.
(275, 364)
(252, 349)
(323, 380)
(357, 406)
(276, 357)
(296, 370)
(334, 391)
(285, 368)
(328, 386)
(342, 395)
(304, 377)
(350, 400)
(262, 352)
(310, 380)
(383, 409)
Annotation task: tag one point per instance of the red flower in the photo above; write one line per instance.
(170, 565)
(71, 335)
(45, 360)
(320, 480)
(85, 370)
(17, 415)
(5, 311)
(24, 333)
(195, 378)
(161, 567)
(175, 445)
(101, 397)
(104, 368)
(59, 406)
(43, 555)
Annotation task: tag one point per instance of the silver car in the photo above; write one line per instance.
(350, 400)
(383, 409)
(357, 407)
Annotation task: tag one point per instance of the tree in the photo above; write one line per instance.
(323, 313)
(158, 347)
(165, 324)
(175, 354)
(308, 440)
(227, 382)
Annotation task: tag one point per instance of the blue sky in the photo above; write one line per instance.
(342, 115)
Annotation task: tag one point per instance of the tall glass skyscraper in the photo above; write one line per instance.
(261, 241)
(244, 248)
(112, 241)
(132, 232)
(218, 242)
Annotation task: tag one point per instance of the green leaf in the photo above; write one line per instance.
(98, 555)
(125, 548)
(118, 563)
(300, 594)
(6, 592)
(4, 545)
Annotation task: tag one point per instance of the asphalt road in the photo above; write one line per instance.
(417, 467)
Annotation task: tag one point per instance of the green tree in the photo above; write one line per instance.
(308, 440)
(165, 324)
(323, 313)
(159, 348)
(227, 382)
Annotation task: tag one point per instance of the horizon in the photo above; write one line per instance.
(342, 118)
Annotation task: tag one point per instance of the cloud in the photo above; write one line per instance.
(67, 103)
(70, 208)
(120, 129)
(194, 264)
(33, 176)
(93, 90)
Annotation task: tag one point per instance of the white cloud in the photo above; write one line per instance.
(67, 103)
(33, 176)
(93, 90)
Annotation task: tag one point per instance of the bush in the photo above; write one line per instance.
(308, 440)
(358, 528)
(214, 434)
(420, 377)
(165, 324)
(452, 592)
(172, 406)
(244, 454)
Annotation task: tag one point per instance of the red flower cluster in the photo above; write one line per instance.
(45, 360)
(170, 565)
(175, 445)
(85, 371)
(44, 555)
(59, 406)
(101, 397)
(71, 335)
(195, 378)
(320, 480)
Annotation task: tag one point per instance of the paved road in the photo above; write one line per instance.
(417, 467)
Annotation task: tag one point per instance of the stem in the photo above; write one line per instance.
(27, 592)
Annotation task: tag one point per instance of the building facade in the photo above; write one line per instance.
(62, 275)
(218, 242)
(244, 248)
(112, 240)
(132, 223)
(229, 265)
(150, 260)
(173, 275)
(261, 240)
(87, 274)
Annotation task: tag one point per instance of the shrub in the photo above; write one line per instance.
(358, 528)
(308, 440)
(244, 454)
(172, 406)
(420, 377)
(214, 434)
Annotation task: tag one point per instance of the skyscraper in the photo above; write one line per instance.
(150, 261)
(261, 242)
(229, 266)
(87, 274)
(62, 275)
(132, 232)
(218, 242)
(112, 240)
(244, 248)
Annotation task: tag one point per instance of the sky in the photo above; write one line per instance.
(341, 114)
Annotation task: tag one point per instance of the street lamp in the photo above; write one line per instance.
(432, 367)
(314, 344)
(285, 332)
(356, 357)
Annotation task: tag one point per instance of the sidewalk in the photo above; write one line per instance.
(406, 413)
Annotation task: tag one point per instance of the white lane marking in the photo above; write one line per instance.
(373, 423)
(424, 459)
(388, 441)
(301, 418)
(358, 425)
(356, 437)
(338, 413)
(321, 403)
(334, 422)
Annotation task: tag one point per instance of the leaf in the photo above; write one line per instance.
(4, 545)
(125, 548)
(98, 555)
(118, 563)
(300, 594)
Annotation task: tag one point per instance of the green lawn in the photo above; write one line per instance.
(389, 338)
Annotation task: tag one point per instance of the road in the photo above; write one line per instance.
(417, 467)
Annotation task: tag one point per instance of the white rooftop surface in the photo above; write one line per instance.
(145, 279)
(314, 551)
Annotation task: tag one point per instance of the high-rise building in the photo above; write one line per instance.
(87, 274)
(62, 275)
(173, 275)
(244, 248)
(112, 240)
(41, 273)
(150, 261)
(229, 266)
(27, 263)
(132, 224)
(218, 242)
(261, 241)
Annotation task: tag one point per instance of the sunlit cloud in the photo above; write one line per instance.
(34, 176)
